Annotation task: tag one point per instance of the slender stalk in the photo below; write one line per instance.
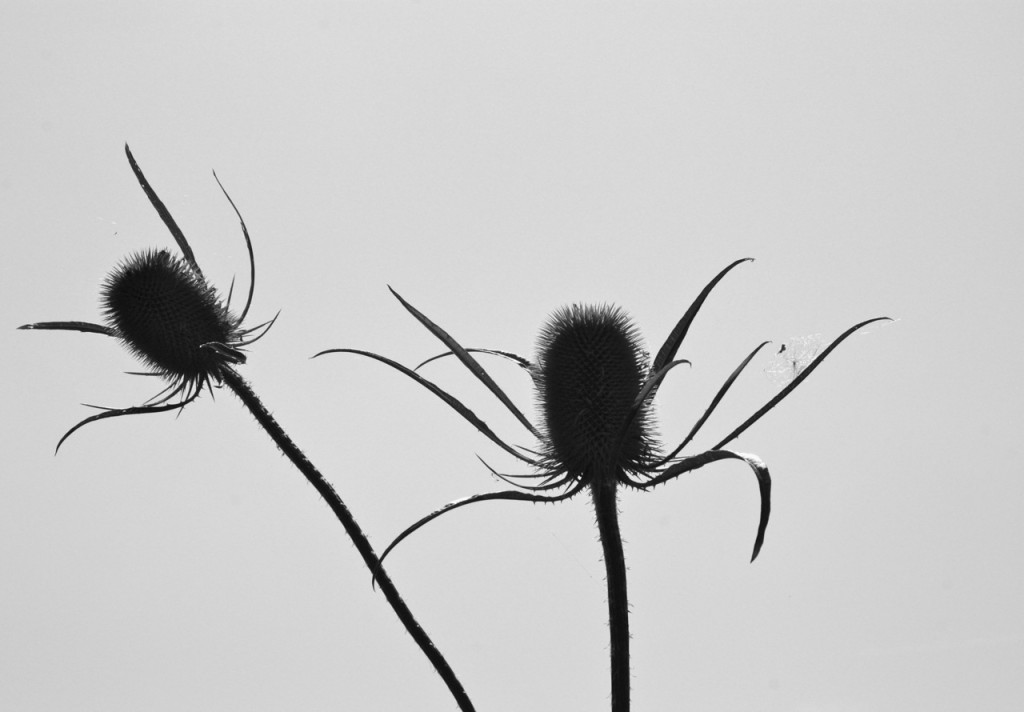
(244, 391)
(606, 507)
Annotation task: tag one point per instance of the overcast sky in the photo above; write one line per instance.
(493, 163)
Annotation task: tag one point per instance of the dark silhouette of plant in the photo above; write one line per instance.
(595, 388)
(165, 312)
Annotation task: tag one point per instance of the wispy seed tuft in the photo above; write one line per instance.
(591, 368)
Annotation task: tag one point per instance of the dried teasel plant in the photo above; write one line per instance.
(166, 314)
(162, 308)
(595, 386)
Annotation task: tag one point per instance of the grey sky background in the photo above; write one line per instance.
(492, 163)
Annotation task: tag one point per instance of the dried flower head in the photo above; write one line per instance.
(168, 316)
(590, 370)
(595, 387)
(163, 309)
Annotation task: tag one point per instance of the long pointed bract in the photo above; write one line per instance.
(549, 483)
(507, 495)
(796, 382)
(764, 482)
(515, 358)
(136, 410)
(451, 400)
(85, 326)
(248, 245)
(471, 363)
(164, 214)
(671, 346)
(714, 404)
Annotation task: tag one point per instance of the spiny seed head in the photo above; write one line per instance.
(166, 314)
(590, 369)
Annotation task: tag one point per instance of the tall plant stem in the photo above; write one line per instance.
(606, 507)
(244, 391)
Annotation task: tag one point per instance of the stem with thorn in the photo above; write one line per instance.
(606, 507)
(244, 391)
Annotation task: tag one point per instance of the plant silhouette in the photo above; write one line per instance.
(595, 389)
(594, 381)
(165, 312)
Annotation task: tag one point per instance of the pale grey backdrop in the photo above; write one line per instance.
(493, 162)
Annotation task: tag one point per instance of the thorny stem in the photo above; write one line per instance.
(606, 507)
(244, 391)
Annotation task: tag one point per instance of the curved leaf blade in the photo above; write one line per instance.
(164, 213)
(512, 495)
(85, 326)
(714, 404)
(471, 363)
(764, 482)
(796, 381)
(668, 350)
(451, 400)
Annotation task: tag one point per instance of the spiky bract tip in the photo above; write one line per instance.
(171, 318)
(591, 367)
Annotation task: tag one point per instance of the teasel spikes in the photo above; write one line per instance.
(590, 371)
(170, 318)
(165, 312)
(595, 389)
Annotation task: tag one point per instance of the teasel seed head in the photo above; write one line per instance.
(163, 309)
(170, 317)
(590, 369)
